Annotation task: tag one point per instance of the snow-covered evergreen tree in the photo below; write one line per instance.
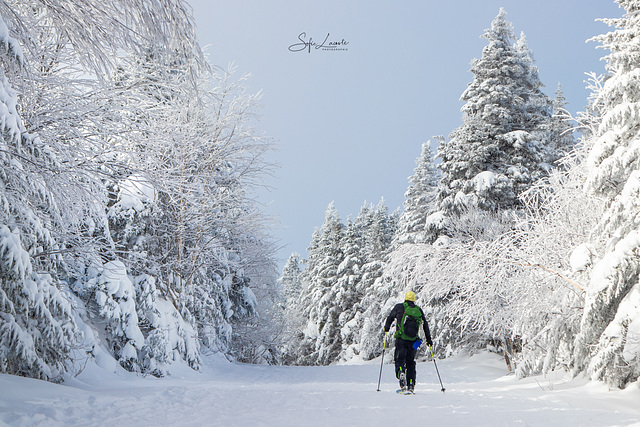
(376, 229)
(414, 225)
(537, 105)
(348, 287)
(561, 140)
(320, 339)
(378, 235)
(116, 303)
(291, 305)
(343, 264)
(290, 280)
(609, 341)
(167, 337)
(37, 329)
(497, 152)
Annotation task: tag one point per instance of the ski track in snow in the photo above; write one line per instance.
(477, 394)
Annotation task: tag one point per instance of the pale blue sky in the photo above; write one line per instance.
(349, 124)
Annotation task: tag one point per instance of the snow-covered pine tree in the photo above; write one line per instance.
(115, 300)
(319, 342)
(414, 225)
(291, 306)
(348, 294)
(489, 161)
(378, 237)
(379, 234)
(537, 105)
(609, 341)
(37, 329)
(374, 229)
(290, 281)
(561, 139)
(300, 340)
(343, 264)
(166, 336)
(495, 154)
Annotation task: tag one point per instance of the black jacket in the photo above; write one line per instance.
(396, 314)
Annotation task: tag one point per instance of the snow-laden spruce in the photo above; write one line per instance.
(609, 340)
(36, 326)
(561, 139)
(318, 341)
(499, 150)
(416, 224)
(342, 265)
(290, 281)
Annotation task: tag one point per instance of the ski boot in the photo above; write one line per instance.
(403, 382)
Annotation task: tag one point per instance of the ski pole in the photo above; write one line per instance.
(382, 361)
(437, 372)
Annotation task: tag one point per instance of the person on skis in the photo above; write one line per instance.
(408, 317)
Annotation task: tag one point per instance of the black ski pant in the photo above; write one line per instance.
(404, 357)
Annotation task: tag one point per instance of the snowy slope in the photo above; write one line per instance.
(225, 394)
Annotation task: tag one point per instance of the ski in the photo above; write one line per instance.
(406, 392)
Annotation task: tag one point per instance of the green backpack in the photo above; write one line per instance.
(409, 326)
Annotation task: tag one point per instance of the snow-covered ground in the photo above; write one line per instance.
(225, 394)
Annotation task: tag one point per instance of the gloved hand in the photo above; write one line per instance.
(429, 342)
(385, 330)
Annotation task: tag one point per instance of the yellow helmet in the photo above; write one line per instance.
(410, 296)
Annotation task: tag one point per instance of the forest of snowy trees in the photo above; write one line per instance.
(515, 237)
(129, 236)
(127, 232)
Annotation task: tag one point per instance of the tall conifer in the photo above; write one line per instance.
(497, 152)
(609, 339)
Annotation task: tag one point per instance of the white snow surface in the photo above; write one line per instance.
(478, 393)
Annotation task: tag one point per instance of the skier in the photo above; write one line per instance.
(408, 317)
